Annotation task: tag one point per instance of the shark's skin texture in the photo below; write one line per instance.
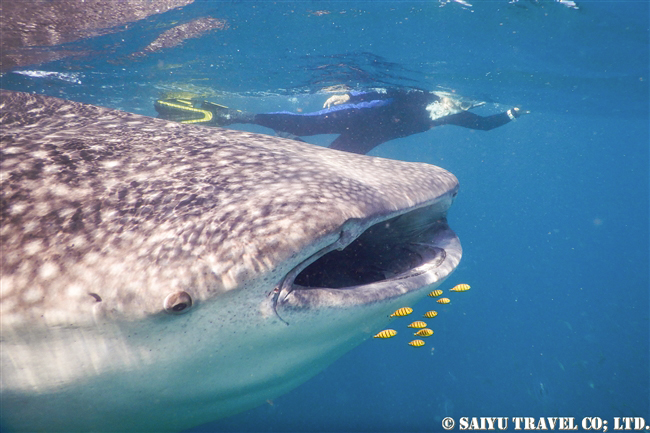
(111, 221)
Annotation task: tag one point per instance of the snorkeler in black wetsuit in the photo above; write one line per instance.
(363, 119)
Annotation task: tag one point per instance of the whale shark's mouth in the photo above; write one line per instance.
(389, 259)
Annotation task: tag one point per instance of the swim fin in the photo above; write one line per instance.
(206, 113)
(188, 111)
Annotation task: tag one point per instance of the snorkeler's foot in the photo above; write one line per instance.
(228, 117)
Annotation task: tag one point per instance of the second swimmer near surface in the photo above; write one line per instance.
(419, 324)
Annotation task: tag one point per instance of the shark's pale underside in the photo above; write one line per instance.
(157, 276)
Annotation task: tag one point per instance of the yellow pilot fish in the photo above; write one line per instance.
(386, 333)
(404, 311)
(435, 293)
(417, 343)
(418, 324)
(424, 333)
(443, 301)
(430, 314)
(460, 288)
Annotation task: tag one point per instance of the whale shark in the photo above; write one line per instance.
(157, 276)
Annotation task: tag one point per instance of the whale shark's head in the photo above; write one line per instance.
(156, 276)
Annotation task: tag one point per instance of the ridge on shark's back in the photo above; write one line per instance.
(157, 276)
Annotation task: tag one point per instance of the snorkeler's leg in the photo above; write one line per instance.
(331, 121)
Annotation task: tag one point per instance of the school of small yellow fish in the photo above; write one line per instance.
(419, 324)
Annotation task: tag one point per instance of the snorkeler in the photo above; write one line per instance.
(364, 120)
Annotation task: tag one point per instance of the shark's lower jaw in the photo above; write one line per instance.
(391, 258)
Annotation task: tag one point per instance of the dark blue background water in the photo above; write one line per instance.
(552, 212)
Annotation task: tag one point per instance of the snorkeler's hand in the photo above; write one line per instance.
(516, 112)
(336, 100)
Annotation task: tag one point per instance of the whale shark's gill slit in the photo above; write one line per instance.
(275, 293)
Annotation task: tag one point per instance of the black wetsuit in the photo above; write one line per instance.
(368, 119)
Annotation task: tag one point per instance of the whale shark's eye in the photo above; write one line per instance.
(177, 302)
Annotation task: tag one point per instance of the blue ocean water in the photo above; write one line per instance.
(552, 212)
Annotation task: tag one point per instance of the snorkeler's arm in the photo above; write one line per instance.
(484, 123)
